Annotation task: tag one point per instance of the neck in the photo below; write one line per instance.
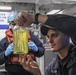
(63, 53)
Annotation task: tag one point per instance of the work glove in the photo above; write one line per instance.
(32, 46)
(9, 50)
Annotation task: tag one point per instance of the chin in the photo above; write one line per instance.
(53, 50)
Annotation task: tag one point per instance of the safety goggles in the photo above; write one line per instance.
(13, 23)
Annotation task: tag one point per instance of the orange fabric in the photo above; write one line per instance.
(9, 36)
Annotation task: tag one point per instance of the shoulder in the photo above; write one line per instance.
(72, 58)
(51, 68)
(51, 65)
(3, 40)
(3, 43)
(32, 35)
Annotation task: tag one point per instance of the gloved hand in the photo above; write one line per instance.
(32, 46)
(9, 50)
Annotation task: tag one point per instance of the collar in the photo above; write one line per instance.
(65, 60)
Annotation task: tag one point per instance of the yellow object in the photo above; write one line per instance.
(20, 41)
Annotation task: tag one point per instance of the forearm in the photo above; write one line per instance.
(41, 18)
(64, 23)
